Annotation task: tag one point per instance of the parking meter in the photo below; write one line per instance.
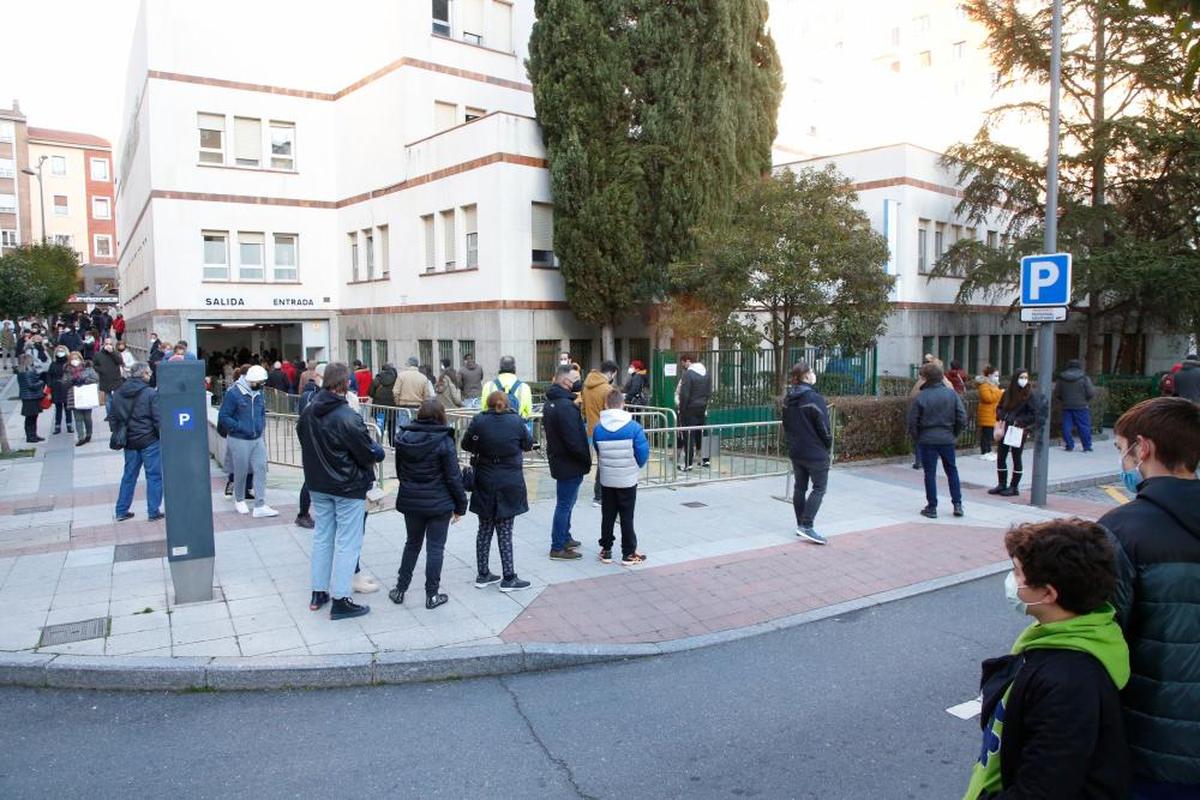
(187, 484)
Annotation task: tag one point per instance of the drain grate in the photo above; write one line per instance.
(695, 504)
(32, 510)
(137, 551)
(66, 632)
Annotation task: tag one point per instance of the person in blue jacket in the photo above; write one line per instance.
(243, 417)
(621, 452)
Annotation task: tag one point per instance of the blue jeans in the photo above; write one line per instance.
(1081, 420)
(471, 402)
(930, 453)
(567, 494)
(337, 540)
(150, 458)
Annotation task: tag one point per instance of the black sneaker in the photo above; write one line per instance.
(513, 584)
(344, 608)
(318, 601)
(564, 555)
(435, 600)
(929, 511)
(606, 556)
(484, 581)
(573, 544)
(249, 494)
(396, 595)
(704, 462)
(125, 516)
(305, 521)
(958, 510)
(229, 489)
(157, 515)
(996, 489)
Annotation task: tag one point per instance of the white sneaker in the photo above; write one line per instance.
(990, 457)
(264, 511)
(364, 583)
(241, 507)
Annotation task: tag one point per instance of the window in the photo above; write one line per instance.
(448, 240)
(581, 353)
(943, 350)
(369, 250)
(972, 234)
(216, 255)
(921, 23)
(501, 33)
(466, 347)
(925, 58)
(247, 141)
(283, 145)
(895, 36)
(446, 351)
(972, 364)
(8, 204)
(384, 251)
(472, 114)
(1004, 241)
(470, 18)
(992, 239)
(102, 245)
(427, 230)
(353, 237)
(8, 238)
(351, 351)
(542, 235)
(470, 225)
(939, 240)
(960, 49)
(60, 205)
(425, 351)
(546, 354)
(445, 115)
(100, 169)
(62, 239)
(381, 351)
(7, 130)
(58, 165)
(285, 257)
(365, 350)
(101, 208)
(441, 17)
(8, 168)
(250, 256)
(212, 138)
(923, 246)
(955, 234)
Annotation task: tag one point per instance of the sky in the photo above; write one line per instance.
(88, 40)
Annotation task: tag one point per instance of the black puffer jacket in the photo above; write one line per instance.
(382, 389)
(430, 480)
(806, 422)
(497, 439)
(936, 416)
(58, 390)
(1187, 381)
(135, 406)
(338, 454)
(108, 365)
(31, 385)
(566, 435)
(1073, 389)
(1158, 606)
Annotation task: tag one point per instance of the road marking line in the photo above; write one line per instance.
(1115, 493)
(966, 710)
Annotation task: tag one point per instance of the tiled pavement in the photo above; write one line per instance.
(726, 560)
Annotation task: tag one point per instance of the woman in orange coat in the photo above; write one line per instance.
(989, 397)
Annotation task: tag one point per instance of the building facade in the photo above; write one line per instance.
(15, 225)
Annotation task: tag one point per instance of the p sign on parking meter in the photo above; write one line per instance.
(1046, 280)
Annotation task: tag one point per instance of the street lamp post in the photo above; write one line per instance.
(41, 192)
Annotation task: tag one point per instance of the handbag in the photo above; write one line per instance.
(1014, 436)
(998, 431)
(468, 478)
(86, 396)
(46, 400)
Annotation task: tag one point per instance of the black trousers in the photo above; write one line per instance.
(806, 508)
(987, 435)
(690, 417)
(616, 502)
(30, 428)
(432, 530)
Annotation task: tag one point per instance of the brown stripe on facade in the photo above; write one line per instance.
(972, 309)
(478, 305)
(884, 183)
(249, 87)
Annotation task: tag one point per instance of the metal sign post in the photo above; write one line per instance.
(187, 485)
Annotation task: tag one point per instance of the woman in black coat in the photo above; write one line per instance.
(32, 387)
(430, 496)
(59, 390)
(108, 364)
(497, 437)
(1017, 408)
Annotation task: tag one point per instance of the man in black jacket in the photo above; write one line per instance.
(806, 423)
(135, 416)
(339, 460)
(1158, 592)
(936, 417)
(569, 455)
(695, 389)
(1187, 379)
(1073, 392)
(1051, 714)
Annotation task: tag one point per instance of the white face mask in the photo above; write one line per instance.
(995, 379)
(1011, 587)
(631, 370)
(1022, 382)
(75, 362)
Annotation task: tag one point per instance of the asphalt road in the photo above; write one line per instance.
(853, 707)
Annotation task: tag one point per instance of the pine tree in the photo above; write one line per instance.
(653, 114)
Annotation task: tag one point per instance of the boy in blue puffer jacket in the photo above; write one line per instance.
(621, 452)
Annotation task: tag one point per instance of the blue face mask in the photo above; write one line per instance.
(1131, 477)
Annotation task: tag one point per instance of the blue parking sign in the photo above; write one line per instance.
(1046, 280)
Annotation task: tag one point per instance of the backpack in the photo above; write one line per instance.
(514, 401)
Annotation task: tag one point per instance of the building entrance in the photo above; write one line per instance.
(246, 339)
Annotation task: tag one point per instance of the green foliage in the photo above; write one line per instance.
(651, 113)
(1129, 200)
(37, 279)
(794, 259)
(1185, 14)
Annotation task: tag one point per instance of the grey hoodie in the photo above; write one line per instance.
(1073, 389)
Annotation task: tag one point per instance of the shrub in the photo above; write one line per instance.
(894, 386)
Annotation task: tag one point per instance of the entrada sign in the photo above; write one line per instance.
(290, 302)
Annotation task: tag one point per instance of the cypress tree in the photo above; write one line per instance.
(653, 114)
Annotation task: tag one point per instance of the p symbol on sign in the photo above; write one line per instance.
(183, 420)
(1045, 274)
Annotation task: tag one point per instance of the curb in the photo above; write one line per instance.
(258, 673)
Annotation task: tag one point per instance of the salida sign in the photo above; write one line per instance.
(286, 302)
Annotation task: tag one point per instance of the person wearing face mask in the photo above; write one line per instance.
(638, 385)
(569, 456)
(1157, 536)
(594, 400)
(936, 417)
(80, 373)
(244, 416)
(989, 398)
(810, 439)
(520, 397)
(59, 390)
(135, 422)
(1017, 409)
(111, 369)
(1051, 714)
(32, 388)
(88, 348)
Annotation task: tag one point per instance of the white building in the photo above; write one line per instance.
(367, 184)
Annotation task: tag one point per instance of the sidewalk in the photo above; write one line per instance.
(724, 562)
